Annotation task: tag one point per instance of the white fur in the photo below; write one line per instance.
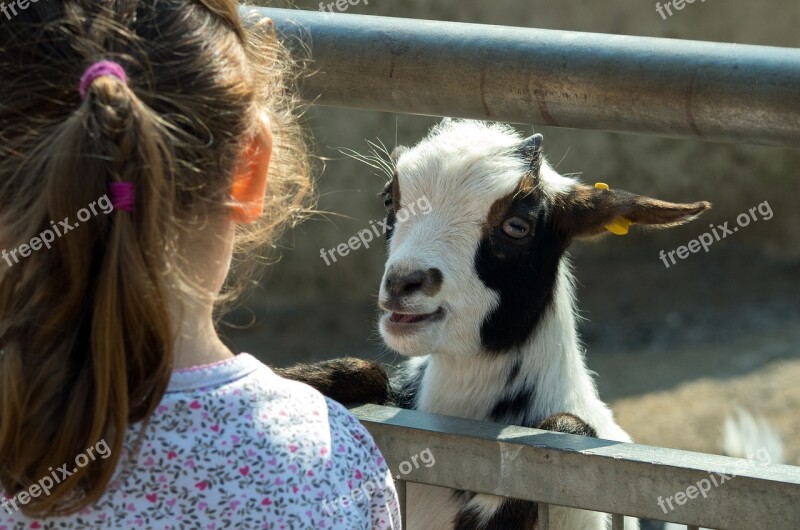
(462, 168)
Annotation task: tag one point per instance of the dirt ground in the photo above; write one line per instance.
(690, 415)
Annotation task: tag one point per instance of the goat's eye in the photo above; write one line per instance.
(516, 227)
(388, 202)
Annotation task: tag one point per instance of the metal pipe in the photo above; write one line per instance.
(666, 87)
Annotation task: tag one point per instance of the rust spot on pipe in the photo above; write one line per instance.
(483, 92)
(687, 105)
(540, 101)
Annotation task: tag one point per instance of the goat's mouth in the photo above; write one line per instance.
(400, 320)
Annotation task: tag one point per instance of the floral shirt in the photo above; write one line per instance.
(232, 445)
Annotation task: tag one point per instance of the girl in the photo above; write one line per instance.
(136, 138)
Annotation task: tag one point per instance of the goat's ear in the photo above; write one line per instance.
(398, 151)
(588, 211)
(531, 150)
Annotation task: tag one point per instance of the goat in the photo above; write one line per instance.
(479, 294)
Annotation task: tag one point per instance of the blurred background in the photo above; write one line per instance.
(675, 349)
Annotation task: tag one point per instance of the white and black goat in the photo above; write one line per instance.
(480, 294)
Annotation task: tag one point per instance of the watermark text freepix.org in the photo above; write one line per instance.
(10, 10)
(341, 5)
(47, 236)
(717, 233)
(677, 4)
(379, 228)
(45, 484)
(703, 486)
(376, 482)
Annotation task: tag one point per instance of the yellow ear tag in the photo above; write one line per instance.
(620, 225)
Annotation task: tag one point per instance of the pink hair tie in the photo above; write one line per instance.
(100, 69)
(122, 196)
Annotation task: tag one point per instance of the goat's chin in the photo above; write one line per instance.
(434, 339)
(415, 345)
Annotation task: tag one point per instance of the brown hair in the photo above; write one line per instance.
(85, 335)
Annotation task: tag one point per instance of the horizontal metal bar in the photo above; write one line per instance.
(668, 87)
(582, 472)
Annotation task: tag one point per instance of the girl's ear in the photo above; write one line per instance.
(250, 176)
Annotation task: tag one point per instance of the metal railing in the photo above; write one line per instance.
(667, 87)
(580, 472)
(676, 88)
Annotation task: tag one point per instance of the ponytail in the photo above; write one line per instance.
(98, 354)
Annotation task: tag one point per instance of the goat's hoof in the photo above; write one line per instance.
(567, 423)
(348, 380)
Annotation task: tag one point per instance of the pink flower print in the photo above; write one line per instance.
(195, 405)
(244, 470)
(152, 497)
(171, 455)
(201, 485)
(266, 502)
(215, 427)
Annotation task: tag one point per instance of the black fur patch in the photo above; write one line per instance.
(513, 406)
(522, 271)
(406, 387)
(514, 372)
(512, 514)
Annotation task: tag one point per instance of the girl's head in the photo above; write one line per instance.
(88, 317)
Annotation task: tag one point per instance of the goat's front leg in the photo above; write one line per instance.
(490, 512)
(347, 380)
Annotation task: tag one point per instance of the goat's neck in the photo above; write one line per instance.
(551, 375)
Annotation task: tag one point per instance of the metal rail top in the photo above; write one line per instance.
(667, 87)
(582, 472)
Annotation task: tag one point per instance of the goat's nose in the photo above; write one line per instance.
(427, 281)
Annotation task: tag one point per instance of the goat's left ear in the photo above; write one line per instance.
(587, 211)
(532, 152)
